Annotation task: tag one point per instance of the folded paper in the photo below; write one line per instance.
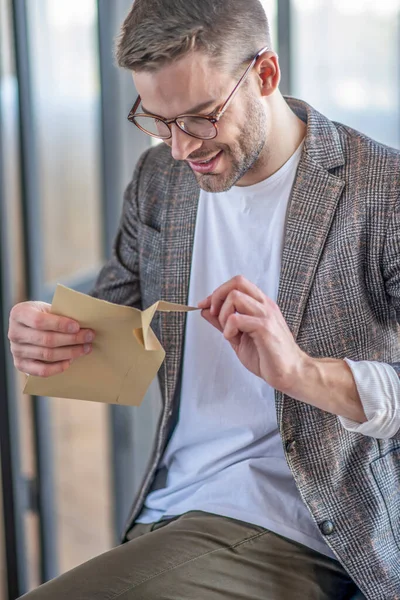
(126, 353)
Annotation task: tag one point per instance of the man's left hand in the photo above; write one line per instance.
(257, 331)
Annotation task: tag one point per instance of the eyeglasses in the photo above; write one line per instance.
(202, 127)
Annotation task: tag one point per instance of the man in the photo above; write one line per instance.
(247, 497)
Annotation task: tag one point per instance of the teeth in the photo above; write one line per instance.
(203, 162)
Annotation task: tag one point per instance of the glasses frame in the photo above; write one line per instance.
(214, 118)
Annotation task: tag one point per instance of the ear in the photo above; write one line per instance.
(269, 73)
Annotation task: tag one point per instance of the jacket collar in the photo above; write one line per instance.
(322, 142)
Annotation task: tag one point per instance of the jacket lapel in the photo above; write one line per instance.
(181, 199)
(312, 208)
(314, 200)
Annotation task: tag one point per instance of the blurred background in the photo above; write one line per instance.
(69, 468)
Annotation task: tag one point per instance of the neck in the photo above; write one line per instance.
(285, 136)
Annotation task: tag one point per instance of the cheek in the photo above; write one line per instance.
(232, 126)
(228, 134)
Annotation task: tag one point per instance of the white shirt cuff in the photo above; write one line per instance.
(379, 389)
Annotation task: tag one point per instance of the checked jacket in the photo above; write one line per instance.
(340, 295)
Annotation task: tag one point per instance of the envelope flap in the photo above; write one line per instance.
(147, 317)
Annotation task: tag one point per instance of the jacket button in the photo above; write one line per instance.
(290, 446)
(327, 528)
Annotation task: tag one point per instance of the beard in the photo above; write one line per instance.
(242, 156)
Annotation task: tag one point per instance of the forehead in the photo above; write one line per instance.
(178, 87)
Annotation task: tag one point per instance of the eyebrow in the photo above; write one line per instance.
(195, 110)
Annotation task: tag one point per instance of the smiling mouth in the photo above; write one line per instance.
(204, 162)
(206, 166)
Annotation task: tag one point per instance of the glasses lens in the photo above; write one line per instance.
(198, 126)
(153, 127)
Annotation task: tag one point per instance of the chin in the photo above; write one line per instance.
(215, 184)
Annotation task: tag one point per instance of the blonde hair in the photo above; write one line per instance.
(157, 32)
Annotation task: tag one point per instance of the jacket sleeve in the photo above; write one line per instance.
(391, 270)
(119, 280)
(391, 273)
(379, 384)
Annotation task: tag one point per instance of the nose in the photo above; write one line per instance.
(182, 144)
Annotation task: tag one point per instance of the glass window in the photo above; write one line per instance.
(83, 483)
(346, 62)
(271, 9)
(66, 106)
(66, 94)
(15, 276)
(11, 172)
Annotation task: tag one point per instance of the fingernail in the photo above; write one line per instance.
(87, 348)
(73, 328)
(89, 337)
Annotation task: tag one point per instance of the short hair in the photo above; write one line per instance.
(158, 32)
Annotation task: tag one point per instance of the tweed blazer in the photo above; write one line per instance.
(340, 295)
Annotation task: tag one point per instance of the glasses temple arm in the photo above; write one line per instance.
(225, 106)
(235, 91)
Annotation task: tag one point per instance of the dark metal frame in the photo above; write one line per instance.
(34, 276)
(13, 485)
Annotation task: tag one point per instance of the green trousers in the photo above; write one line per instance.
(201, 556)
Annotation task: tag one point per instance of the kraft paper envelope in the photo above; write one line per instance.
(126, 353)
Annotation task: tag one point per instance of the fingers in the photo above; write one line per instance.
(241, 303)
(239, 314)
(212, 320)
(238, 283)
(44, 344)
(20, 334)
(36, 315)
(40, 369)
(49, 355)
(238, 324)
(204, 304)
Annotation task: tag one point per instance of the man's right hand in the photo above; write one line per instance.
(44, 344)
